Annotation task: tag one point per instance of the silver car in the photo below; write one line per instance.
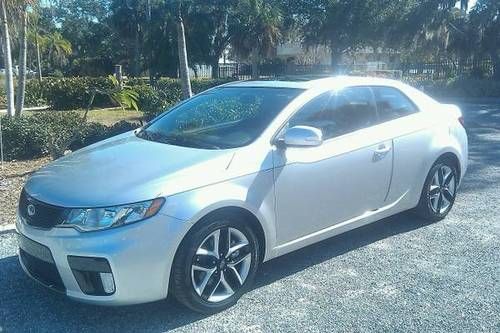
(192, 203)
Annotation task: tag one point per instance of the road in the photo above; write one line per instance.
(398, 274)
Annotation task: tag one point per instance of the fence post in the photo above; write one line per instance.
(119, 75)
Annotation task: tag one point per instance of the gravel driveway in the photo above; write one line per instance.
(399, 274)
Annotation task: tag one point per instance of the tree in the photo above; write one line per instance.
(23, 49)
(208, 30)
(9, 75)
(485, 18)
(57, 48)
(183, 59)
(343, 25)
(256, 31)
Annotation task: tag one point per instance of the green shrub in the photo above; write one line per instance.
(457, 87)
(74, 92)
(22, 138)
(34, 95)
(53, 132)
(68, 93)
(166, 93)
(3, 96)
(152, 101)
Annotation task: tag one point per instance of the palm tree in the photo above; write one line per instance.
(9, 75)
(257, 31)
(14, 8)
(23, 46)
(183, 61)
(57, 48)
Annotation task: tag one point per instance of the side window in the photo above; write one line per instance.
(312, 113)
(392, 104)
(346, 111)
(352, 109)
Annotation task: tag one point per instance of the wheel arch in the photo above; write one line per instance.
(247, 215)
(446, 155)
(452, 158)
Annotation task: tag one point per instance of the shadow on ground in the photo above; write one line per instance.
(25, 304)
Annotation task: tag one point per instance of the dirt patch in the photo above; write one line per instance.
(12, 178)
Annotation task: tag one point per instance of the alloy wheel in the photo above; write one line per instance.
(221, 264)
(442, 189)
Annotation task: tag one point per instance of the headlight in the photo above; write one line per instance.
(102, 218)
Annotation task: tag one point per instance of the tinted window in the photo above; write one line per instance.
(392, 104)
(336, 114)
(353, 109)
(221, 118)
(313, 113)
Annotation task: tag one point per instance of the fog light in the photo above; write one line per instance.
(93, 275)
(108, 284)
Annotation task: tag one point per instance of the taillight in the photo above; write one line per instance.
(461, 121)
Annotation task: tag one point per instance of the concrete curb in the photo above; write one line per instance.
(7, 228)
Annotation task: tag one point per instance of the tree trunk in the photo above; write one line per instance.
(9, 75)
(136, 58)
(23, 45)
(150, 32)
(495, 61)
(195, 70)
(335, 58)
(215, 68)
(183, 61)
(38, 57)
(255, 64)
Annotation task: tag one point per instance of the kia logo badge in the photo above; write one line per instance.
(31, 210)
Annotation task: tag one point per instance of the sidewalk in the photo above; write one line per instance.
(34, 108)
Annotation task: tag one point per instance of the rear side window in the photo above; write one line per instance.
(392, 104)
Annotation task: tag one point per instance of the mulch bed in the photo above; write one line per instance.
(12, 178)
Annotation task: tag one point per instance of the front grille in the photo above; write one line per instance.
(39, 214)
(44, 271)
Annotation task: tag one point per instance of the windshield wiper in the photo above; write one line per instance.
(190, 141)
(176, 140)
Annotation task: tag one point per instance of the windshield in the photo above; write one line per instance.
(221, 118)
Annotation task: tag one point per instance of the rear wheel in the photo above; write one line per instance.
(215, 264)
(439, 192)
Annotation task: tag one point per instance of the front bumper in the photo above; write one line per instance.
(139, 255)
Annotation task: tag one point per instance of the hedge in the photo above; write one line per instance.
(458, 88)
(67, 93)
(73, 93)
(41, 133)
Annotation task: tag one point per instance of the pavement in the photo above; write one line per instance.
(34, 108)
(400, 274)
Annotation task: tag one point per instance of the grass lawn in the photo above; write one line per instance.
(107, 116)
(112, 115)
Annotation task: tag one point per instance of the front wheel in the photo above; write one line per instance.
(439, 192)
(215, 264)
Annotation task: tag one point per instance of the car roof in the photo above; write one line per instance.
(310, 82)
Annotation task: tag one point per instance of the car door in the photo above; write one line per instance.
(400, 119)
(346, 176)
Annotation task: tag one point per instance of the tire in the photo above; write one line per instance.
(207, 282)
(439, 191)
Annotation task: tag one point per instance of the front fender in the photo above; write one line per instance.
(254, 193)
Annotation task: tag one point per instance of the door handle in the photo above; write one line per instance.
(381, 151)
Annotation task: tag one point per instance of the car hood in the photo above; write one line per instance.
(126, 169)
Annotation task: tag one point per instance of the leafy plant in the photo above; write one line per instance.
(52, 133)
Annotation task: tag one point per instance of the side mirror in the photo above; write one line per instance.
(303, 136)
